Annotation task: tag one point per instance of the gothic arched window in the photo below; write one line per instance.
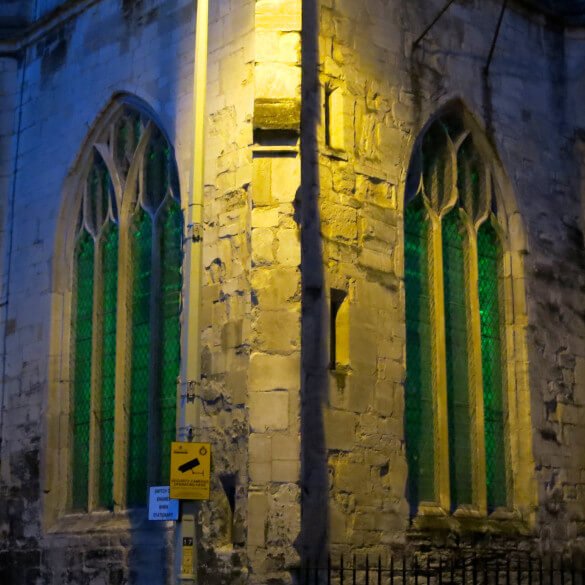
(126, 281)
(457, 423)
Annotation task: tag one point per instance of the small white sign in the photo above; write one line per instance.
(160, 505)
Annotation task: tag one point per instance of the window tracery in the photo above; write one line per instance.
(125, 328)
(456, 423)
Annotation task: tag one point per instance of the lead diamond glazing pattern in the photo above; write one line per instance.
(109, 271)
(457, 361)
(171, 281)
(489, 254)
(139, 386)
(419, 419)
(83, 332)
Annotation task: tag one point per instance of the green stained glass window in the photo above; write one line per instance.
(139, 384)
(109, 272)
(127, 135)
(489, 255)
(82, 340)
(98, 193)
(171, 235)
(419, 419)
(457, 361)
(157, 170)
(154, 283)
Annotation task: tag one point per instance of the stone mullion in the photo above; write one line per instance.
(62, 471)
(476, 414)
(96, 378)
(511, 379)
(123, 364)
(439, 363)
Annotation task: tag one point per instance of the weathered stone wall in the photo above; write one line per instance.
(70, 73)
(9, 99)
(14, 16)
(226, 296)
(303, 207)
(274, 374)
(380, 92)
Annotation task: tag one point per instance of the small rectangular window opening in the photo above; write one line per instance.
(327, 115)
(339, 330)
(229, 485)
(334, 115)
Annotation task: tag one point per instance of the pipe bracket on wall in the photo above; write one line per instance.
(195, 232)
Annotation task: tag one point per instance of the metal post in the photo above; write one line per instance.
(367, 569)
(415, 571)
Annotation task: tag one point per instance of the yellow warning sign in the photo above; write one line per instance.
(190, 471)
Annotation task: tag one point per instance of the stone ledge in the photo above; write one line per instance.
(277, 114)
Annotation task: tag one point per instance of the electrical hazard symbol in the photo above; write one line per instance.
(190, 471)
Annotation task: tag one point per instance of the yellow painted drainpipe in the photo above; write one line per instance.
(192, 355)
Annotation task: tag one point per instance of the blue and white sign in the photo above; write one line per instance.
(160, 505)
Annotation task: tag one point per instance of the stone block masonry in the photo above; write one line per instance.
(313, 110)
(274, 375)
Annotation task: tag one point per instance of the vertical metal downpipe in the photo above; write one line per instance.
(191, 366)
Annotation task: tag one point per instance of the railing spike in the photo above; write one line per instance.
(367, 569)
(415, 571)
(428, 570)
(519, 571)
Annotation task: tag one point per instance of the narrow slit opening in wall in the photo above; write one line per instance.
(339, 329)
(228, 483)
(327, 115)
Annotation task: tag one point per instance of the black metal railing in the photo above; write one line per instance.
(497, 569)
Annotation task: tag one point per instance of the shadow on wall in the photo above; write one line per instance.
(150, 550)
(312, 543)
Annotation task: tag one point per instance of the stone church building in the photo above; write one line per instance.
(339, 240)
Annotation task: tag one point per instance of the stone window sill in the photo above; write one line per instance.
(334, 153)
(104, 521)
(467, 519)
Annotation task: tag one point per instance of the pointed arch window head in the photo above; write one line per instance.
(127, 254)
(456, 421)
